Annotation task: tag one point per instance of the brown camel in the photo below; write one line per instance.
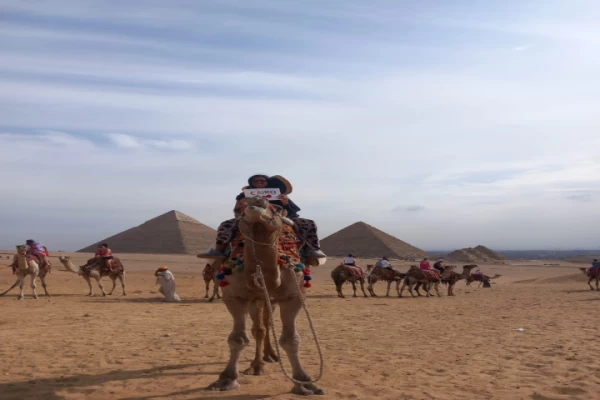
(449, 277)
(261, 225)
(389, 275)
(482, 279)
(42, 271)
(425, 277)
(95, 270)
(592, 274)
(345, 273)
(210, 275)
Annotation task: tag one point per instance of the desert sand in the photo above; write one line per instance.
(71, 346)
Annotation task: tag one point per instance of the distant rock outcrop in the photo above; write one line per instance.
(475, 254)
(365, 241)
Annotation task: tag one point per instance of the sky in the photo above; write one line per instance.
(447, 124)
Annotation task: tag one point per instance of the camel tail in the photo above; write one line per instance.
(337, 279)
(10, 288)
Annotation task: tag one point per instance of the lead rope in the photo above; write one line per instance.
(259, 281)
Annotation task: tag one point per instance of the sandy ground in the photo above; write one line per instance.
(71, 346)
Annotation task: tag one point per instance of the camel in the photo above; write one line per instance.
(592, 274)
(482, 279)
(261, 225)
(449, 277)
(27, 264)
(95, 270)
(418, 275)
(344, 273)
(210, 275)
(388, 275)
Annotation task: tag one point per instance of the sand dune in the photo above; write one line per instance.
(136, 347)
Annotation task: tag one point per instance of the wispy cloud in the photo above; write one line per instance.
(522, 48)
(410, 209)
(132, 142)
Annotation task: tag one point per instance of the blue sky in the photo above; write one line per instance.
(445, 123)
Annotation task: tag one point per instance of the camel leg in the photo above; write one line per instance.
(122, 280)
(353, 282)
(417, 286)
(10, 288)
(89, 282)
(43, 279)
(270, 355)
(370, 286)
(450, 289)
(257, 366)
(237, 340)
(387, 294)
(34, 286)
(215, 291)
(207, 284)
(338, 289)
(114, 282)
(597, 288)
(362, 287)
(436, 286)
(290, 342)
(410, 289)
(21, 287)
(404, 284)
(100, 285)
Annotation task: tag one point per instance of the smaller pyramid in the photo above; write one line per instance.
(170, 233)
(365, 241)
(475, 254)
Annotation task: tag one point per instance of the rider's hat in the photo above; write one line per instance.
(278, 181)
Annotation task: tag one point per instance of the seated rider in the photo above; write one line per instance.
(105, 254)
(595, 265)
(439, 265)
(425, 264)
(38, 250)
(478, 272)
(350, 260)
(306, 228)
(383, 263)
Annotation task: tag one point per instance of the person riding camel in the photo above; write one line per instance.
(306, 228)
(350, 260)
(439, 265)
(38, 250)
(425, 264)
(595, 265)
(383, 263)
(105, 254)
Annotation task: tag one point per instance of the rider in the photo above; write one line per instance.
(38, 250)
(306, 228)
(105, 254)
(350, 260)
(383, 263)
(439, 265)
(425, 264)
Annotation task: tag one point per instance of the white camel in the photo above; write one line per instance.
(95, 270)
(26, 265)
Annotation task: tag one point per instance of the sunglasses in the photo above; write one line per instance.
(259, 181)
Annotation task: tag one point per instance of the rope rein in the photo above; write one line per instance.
(259, 281)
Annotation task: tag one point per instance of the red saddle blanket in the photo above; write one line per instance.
(477, 277)
(432, 274)
(386, 274)
(289, 245)
(592, 273)
(355, 271)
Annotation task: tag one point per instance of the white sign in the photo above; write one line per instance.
(269, 194)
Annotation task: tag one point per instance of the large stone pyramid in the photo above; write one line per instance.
(169, 233)
(366, 241)
(479, 253)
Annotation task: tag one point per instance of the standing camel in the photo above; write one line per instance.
(210, 275)
(347, 273)
(95, 270)
(592, 274)
(389, 275)
(424, 277)
(24, 264)
(42, 272)
(265, 230)
(449, 277)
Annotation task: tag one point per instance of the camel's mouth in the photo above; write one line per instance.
(254, 213)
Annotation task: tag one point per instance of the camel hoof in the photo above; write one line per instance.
(20, 298)
(256, 371)
(210, 300)
(307, 389)
(224, 384)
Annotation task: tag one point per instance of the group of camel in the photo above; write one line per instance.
(414, 277)
(27, 265)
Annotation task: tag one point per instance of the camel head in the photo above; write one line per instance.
(22, 250)
(467, 268)
(369, 267)
(66, 261)
(584, 270)
(260, 211)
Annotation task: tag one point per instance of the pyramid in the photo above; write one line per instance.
(478, 253)
(170, 233)
(365, 241)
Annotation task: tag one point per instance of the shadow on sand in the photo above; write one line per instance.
(47, 388)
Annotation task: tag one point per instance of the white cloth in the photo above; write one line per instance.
(166, 280)
(349, 260)
(383, 263)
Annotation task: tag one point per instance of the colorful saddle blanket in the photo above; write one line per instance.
(355, 271)
(288, 246)
(593, 272)
(432, 275)
(387, 274)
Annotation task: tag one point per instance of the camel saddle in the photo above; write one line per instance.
(112, 264)
(387, 274)
(355, 271)
(593, 272)
(432, 274)
(288, 246)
